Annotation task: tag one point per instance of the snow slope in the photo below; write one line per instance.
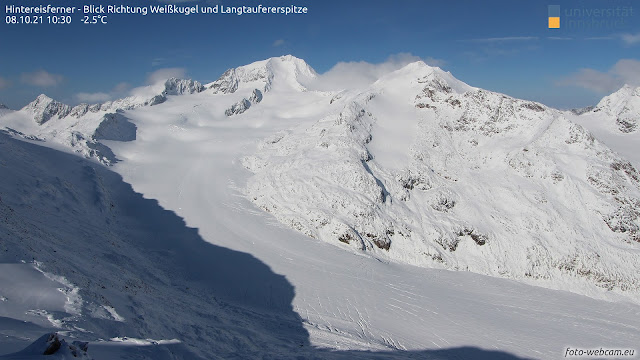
(184, 286)
(179, 268)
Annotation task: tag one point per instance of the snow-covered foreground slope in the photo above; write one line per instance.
(419, 168)
(137, 271)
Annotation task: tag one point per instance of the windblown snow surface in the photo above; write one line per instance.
(255, 217)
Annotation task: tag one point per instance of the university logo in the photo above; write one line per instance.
(554, 16)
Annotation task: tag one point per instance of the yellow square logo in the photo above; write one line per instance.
(554, 23)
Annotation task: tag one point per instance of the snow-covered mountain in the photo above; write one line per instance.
(418, 168)
(43, 108)
(624, 106)
(615, 120)
(426, 170)
(82, 126)
(291, 72)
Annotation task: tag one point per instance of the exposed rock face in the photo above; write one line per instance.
(244, 104)
(238, 108)
(44, 108)
(174, 86)
(256, 96)
(583, 110)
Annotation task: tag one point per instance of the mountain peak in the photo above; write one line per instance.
(286, 70)
(44, 108)
(429, 76)
(620, 98)
(43, 98)
(175, 86)
(289, 58)
(623, 105)
(627, 90)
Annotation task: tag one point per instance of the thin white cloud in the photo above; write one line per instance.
(625, 71)
(592, 80)
(162, 75)
(628, 70)
(625, 38)
(434, 62)
(278, 42)
(503, 39)
(630, 39)
(92, 98)
(4, 83)
(155, 82)
(559, 38)
(121, 88)
(600, 38)
(119, 91)
(348, 75)
(41, 78)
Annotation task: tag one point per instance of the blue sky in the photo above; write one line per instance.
(503, 46)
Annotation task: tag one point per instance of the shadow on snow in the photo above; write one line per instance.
(81, 220)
